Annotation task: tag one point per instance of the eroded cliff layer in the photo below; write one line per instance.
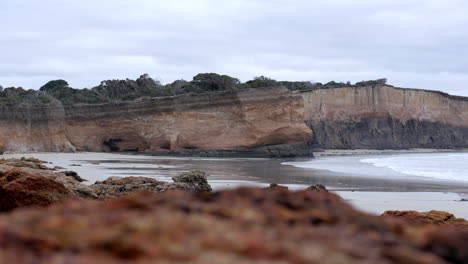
(238, 120)
(244, 122)
(33, 128)
(385, 117)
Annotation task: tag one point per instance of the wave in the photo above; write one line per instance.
(453, 166)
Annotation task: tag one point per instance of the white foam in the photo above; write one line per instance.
(442, 166)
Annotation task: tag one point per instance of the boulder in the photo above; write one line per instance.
(317, 188)
(75, 186)
(195, 181)
(118, 186)
(74, 175)
(20, 189)
(277, 187)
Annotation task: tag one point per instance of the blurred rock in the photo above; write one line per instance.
(432, 217)
(317, 188)
(277, 186)
(236, 226)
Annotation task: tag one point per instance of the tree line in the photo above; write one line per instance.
(59, 91)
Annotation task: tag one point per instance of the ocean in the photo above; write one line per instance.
(438, 166)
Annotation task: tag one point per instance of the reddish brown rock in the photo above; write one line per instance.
(19, 189)
(237, 226)
(432, 217)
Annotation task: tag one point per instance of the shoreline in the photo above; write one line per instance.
(373, 195)
(163, 164)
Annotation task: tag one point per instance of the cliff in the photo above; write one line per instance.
(29, 127)
(255, 122)
(234, 120)
(385, 117)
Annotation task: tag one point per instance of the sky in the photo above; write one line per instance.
(412, 43)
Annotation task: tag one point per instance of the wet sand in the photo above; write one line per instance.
(374, 194)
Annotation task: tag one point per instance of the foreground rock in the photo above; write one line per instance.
(19, 189)
(29, 185)
(238, 226)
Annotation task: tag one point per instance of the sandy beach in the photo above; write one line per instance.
(372, 190)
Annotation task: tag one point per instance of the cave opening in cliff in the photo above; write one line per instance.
(112, 144)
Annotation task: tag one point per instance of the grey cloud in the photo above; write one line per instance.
(414, 43)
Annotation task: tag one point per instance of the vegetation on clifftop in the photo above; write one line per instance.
(59, 91)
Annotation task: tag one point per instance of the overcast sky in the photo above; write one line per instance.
(414, 43)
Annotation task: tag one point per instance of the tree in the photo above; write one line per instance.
(54, 84)
(262, 81)
(215, 82)
(178, 87)
(333, 84)
(298, 86)
(381, 81)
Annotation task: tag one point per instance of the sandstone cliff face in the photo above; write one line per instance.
(32, 128)
(386, 117)
(374, 117)
(228, 120)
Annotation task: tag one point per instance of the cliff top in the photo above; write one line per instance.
(58, 92)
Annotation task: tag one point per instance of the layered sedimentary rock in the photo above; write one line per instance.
(26, 127)
(255, 122)
(237, 120)
(385, 117)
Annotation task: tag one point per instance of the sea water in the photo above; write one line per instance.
(446, 166)
(440, 166)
